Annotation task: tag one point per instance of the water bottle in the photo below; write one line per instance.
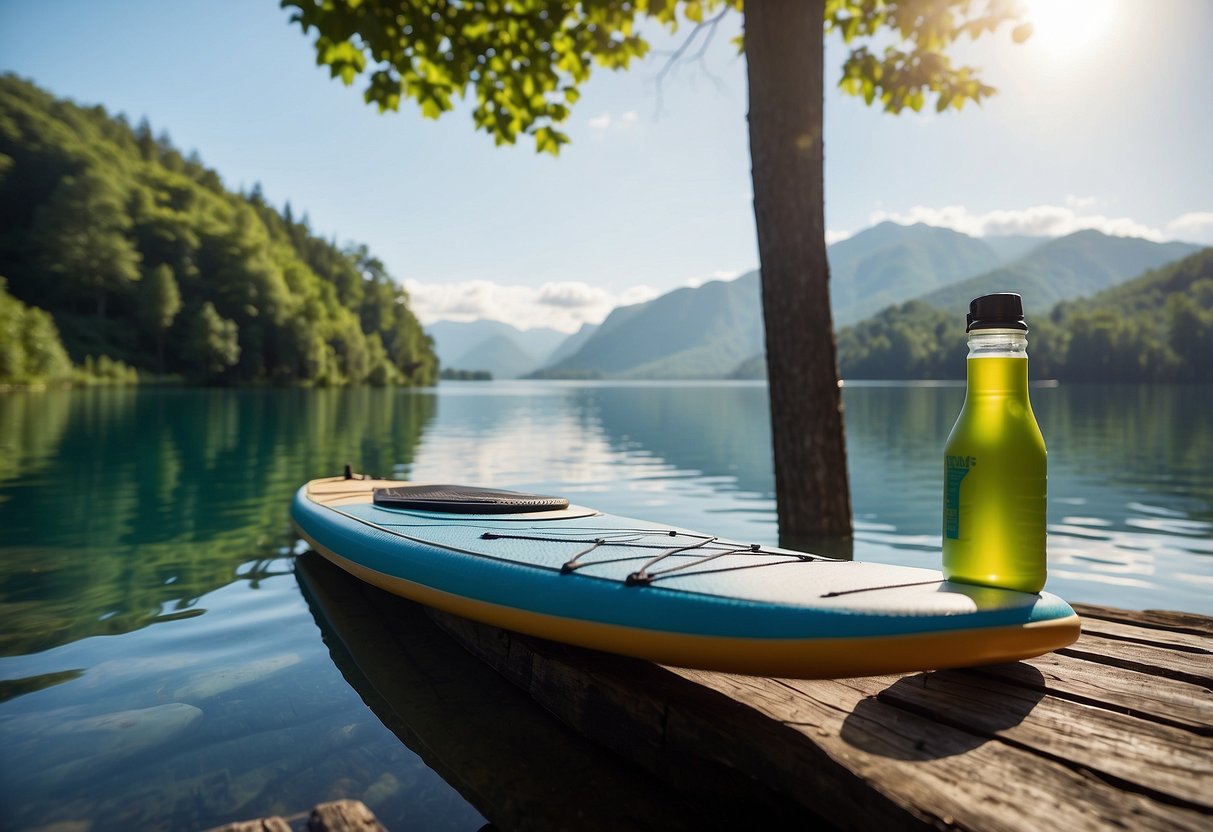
(994, 460)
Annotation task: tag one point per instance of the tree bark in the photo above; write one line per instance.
(784, 60)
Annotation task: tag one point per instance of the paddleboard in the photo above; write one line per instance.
(544, 567)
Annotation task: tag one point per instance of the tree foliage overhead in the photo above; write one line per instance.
(524, 61)
(142, 256)
(905, 73)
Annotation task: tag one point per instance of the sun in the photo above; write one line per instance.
(1070, 27)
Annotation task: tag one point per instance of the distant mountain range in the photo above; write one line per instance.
(503, 350)
(715, 330)
(1074, 266)
(688, 333)
(892, 263)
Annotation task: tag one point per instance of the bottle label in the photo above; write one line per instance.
(955, 469)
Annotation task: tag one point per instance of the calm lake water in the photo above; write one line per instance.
(161, 668)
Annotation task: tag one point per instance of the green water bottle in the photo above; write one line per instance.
(994, 461)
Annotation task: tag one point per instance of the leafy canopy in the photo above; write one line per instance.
(525, 60)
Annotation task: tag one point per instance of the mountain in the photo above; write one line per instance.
(715, 330)
(1011, 247)
(500, 355)
(891, 263)
(572, 343)
(503, 350)
(700, 332)
(1079, 264)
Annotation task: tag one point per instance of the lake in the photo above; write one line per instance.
(161, 668)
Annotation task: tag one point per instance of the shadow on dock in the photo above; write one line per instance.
(951, 696)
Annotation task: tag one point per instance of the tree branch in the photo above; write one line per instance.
(708, 28)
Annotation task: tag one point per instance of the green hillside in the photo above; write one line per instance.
(1156, 327)
(891, 263)
(141, 255)
(1074, 266)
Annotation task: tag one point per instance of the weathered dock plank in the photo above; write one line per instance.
(1160, 661)
(1111, 734)
(930, 773)
(1172, 763)
(1114, 732)
(1171, 622)
(1132, 692)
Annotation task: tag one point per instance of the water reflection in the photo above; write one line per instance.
(121, 506)
(510, 759)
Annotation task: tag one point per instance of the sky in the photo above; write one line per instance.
(1103, 119)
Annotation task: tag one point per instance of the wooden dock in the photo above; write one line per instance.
(1114, 732)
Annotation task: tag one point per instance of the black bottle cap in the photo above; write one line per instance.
(1001, 311)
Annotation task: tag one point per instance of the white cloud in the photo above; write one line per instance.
(570, 295)
(564, 305)
(1193, 227)
(606, 121)
(1037, 220)
(833, 237)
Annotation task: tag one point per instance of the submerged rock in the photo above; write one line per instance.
(213, 682)
(56, 747)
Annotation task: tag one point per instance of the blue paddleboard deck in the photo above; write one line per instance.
(673, 595)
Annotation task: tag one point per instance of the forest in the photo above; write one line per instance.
(1156, 327)
(122, 257)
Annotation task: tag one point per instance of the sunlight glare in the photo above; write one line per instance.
(1064, 28)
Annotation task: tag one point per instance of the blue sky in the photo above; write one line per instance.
(1104, 119)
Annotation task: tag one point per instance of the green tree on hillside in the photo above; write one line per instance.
(159, 303)
(524, 61)
(1190, 329)
(82, 232)
(30, 349)
(211, 344)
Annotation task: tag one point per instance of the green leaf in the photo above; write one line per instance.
(548, 140)
(869, 91)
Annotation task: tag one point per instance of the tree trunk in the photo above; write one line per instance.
(784, 57)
